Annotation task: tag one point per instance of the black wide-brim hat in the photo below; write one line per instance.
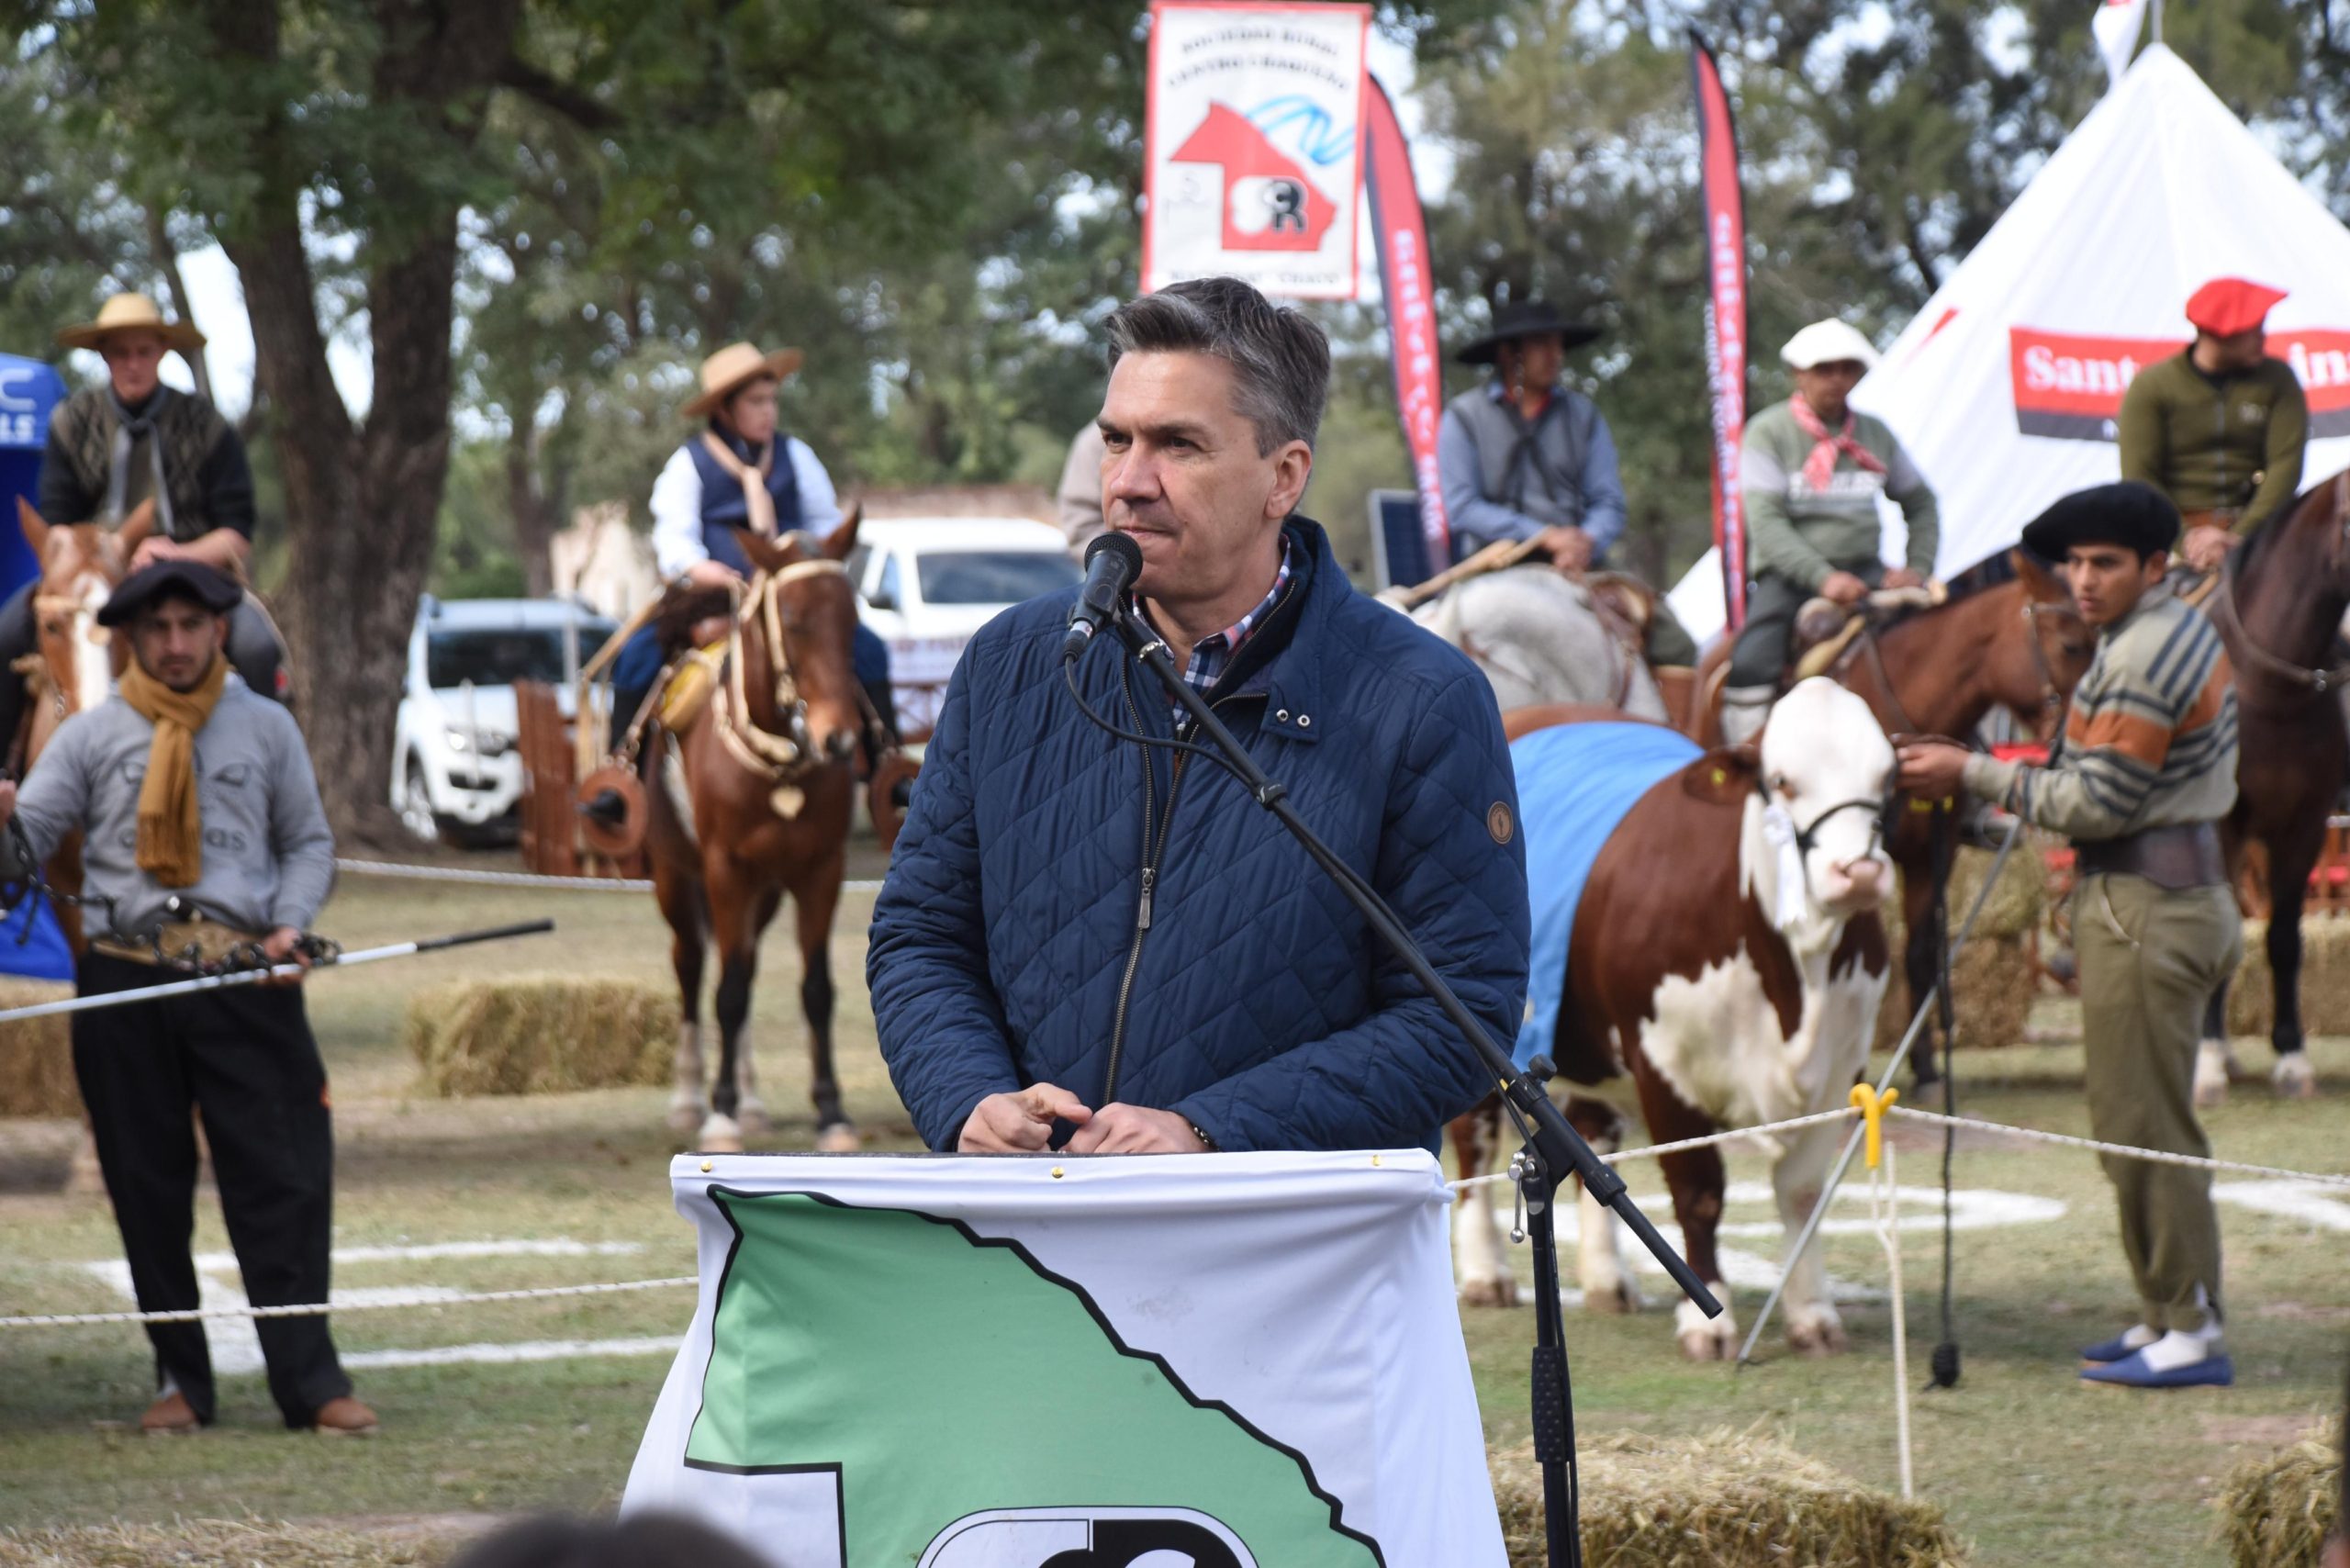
(2133, 515)
(1531, 320)
(187, 579)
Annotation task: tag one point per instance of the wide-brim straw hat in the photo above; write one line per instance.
(726, 372)
(126, 312)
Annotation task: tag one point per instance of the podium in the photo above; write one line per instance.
(1235, 1361)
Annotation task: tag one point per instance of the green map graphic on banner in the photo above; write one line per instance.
(947, 1377)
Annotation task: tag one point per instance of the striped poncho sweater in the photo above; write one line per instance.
(2151, 741)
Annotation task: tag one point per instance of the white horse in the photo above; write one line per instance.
(1540, 638)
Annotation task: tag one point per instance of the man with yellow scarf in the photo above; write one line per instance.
(201, 822)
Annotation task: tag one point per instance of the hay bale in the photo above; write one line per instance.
(37, 1055)
(1995, 977)
(541, 1034)
(1723, 1500)
(2277, 1510)
(2326, 979)
(192, 1543)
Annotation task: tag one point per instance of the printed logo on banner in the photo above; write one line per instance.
(2069, 386)
(938, 1397)
(1252, 162)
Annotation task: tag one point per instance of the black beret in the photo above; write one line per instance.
(2131, 514)
(189, 579)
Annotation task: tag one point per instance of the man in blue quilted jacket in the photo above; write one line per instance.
(1091, 943)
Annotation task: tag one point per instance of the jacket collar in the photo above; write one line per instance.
(1297, 639)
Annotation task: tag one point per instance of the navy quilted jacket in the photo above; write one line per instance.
(1011, 944)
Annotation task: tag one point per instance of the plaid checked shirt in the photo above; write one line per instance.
(1212, 655)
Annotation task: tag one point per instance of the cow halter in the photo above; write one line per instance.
(1794, 842)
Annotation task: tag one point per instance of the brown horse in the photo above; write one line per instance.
(751, 803)
(80, 563)
(2279, 608)
(2019, 645)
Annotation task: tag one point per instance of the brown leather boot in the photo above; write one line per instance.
(170, 1417)
(345, 1417)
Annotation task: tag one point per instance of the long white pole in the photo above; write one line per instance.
(279, 971)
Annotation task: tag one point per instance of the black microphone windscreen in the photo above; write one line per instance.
(1126, 548)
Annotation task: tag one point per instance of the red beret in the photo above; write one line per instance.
(2226, 306)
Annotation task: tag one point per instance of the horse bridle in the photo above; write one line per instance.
(781, 758)
(2319, 680)
(2052, 698)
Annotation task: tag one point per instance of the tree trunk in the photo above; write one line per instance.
(361, 504)
(533, 511)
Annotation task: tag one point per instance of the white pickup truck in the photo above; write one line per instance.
(455, 768)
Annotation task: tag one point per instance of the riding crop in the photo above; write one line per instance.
(274, 972)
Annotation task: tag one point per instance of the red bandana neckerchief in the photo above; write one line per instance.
(1820, 466)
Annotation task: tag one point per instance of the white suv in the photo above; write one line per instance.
(454, 763)
(929, 583)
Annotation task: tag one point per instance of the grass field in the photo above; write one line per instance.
(2033, 1468)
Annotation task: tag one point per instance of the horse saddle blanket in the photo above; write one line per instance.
(691, 682)
(1575, 784)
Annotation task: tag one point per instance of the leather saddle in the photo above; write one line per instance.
(1825, 629)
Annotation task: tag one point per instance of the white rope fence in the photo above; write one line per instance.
(529, 880)
(319, 1309)
(682, 1282)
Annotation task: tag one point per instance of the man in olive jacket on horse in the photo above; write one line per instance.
(136, 440)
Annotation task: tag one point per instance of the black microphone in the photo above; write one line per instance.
(1112, 564)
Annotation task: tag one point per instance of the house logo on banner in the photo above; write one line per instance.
(1252, 165)
(2069, 386)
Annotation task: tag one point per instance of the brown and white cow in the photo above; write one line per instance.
(1725, 970)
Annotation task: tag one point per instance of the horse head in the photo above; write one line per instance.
(81, 566)
(812, 674)
(2041, 648)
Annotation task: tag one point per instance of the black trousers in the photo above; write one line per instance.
(1759, 658)
(243, 1056)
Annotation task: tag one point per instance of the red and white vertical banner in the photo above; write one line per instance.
(1400, 235)
(1252, 160)
(1725, 210)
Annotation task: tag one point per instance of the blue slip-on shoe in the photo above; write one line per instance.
(2113, 1349)
(2131, 1372)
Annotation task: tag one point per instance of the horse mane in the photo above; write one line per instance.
(2267, 531)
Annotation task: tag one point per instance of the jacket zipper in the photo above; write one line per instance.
(1154, 849)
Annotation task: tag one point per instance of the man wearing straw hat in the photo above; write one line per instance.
(201, 828)
(1811, 472)
(137, 440)
(738, 471)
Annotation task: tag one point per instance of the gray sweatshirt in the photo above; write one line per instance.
(268, 854)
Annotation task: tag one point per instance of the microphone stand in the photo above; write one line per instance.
(1554, 1151)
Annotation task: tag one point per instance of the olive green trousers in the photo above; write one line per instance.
(2150, 960)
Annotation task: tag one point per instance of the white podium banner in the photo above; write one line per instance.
(1184, 1361)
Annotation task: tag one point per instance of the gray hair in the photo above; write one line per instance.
(1280, 357)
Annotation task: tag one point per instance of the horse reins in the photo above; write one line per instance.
(2320, 679)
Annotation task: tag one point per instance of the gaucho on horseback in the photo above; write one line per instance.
(2220, 427)
(136, 440)
(739, 471)
(1811, 473)
(1524, 457)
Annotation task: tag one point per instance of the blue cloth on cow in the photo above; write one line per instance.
(1257, 1004)
(1575, 782)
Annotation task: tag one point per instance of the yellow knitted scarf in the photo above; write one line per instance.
(171, 829)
